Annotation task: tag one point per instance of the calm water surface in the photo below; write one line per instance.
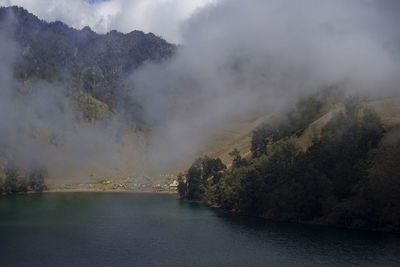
(107, 229)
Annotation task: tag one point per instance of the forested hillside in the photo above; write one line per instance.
(346, 176)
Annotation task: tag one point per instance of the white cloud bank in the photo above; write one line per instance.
(243, 57)
(162, 17)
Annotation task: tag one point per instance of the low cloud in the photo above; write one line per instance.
(243, 58)
(162, 17)
(239, 59)
(41, 127)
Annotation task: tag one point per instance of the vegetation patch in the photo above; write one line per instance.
(348, 176)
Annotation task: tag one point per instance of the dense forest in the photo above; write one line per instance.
(348, 177)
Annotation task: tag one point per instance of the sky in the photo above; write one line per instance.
(161, 17)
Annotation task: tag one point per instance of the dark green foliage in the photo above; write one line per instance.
(182, 186)
(212, 170)
(36, 180)
(194, 181)
(237, 160)
(260, 139)
(230, 189)
(380, 196)
(11, 182)
(202, 177)
(342, 151)
(1, 186)
(212, 173)
(307, 110)
(23, 184)
(17, 182)
(251, 194)
(345, 178)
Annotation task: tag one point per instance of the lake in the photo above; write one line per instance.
(123, 229)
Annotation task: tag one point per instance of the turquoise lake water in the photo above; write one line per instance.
(122, 229)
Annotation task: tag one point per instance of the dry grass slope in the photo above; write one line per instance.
(238, 135)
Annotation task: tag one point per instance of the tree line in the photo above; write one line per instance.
(16, 181)
(348, 177)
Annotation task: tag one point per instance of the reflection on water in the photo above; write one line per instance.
(103, 229)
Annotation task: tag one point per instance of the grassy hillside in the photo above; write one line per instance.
(235, 135)
(238, 135)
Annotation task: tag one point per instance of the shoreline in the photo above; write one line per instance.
(212, 207)
(309, 223)
(83, 190)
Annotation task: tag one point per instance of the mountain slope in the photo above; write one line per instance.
(64, 104)
(341, 170)
(238, 135)
(90, 62)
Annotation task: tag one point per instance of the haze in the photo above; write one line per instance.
(237, 59)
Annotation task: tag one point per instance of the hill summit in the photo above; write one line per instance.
(90, 62)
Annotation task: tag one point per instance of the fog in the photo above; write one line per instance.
(161, 17)
(41, 127)
(238, 60)
(242, 58)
